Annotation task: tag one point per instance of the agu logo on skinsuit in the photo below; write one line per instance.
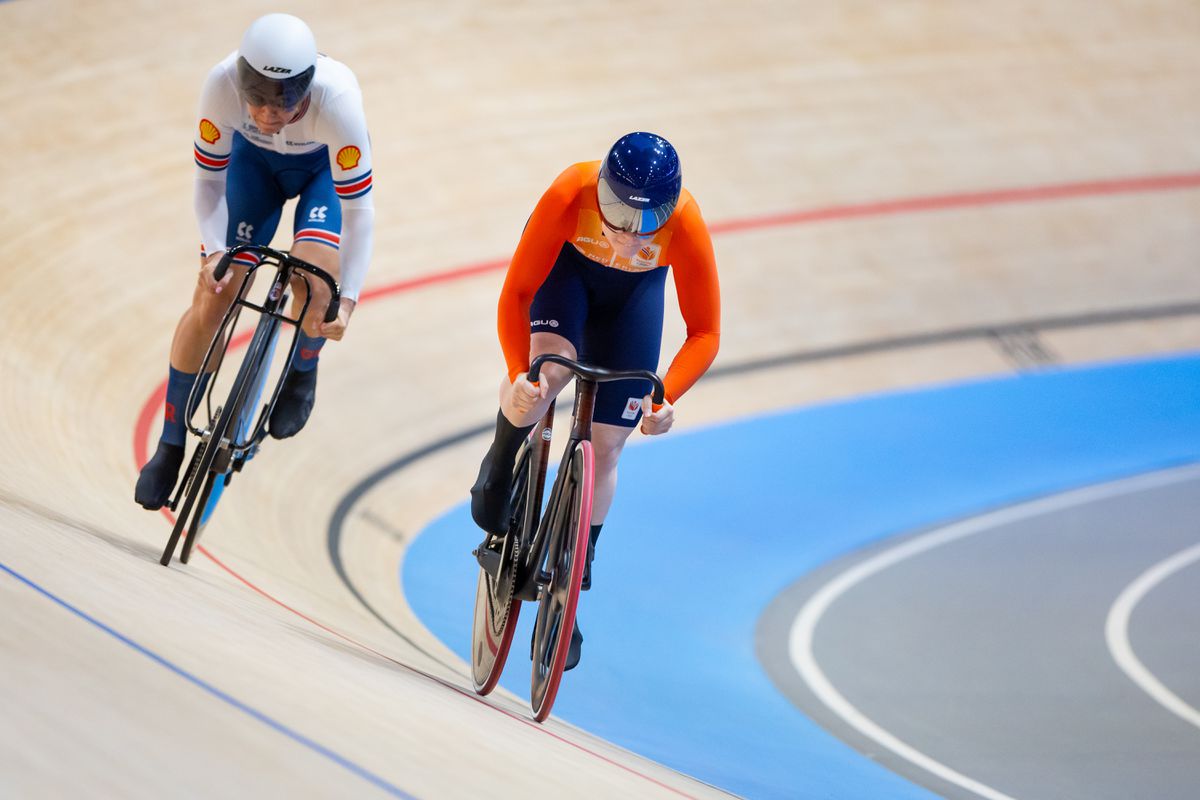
(209, 132)
(348, 156)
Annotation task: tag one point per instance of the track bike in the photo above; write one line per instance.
(541, 557)
(232, 433)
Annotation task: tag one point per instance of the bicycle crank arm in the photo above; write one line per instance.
(489, 560)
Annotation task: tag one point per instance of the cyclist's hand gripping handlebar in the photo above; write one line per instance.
(331, 313)
(598, 374)
(222, 266)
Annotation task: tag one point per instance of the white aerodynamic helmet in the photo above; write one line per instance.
(277, 61)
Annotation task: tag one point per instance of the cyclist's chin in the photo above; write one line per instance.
(626, 251)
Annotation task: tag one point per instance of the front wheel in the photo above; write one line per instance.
(207, 468)
(197, 484)
(212, 491)
(571, 520)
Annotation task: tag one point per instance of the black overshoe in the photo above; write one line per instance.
(158, 477)
(491, 493)
(295, 403)
(576, 649)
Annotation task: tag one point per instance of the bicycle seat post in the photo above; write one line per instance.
(585, 406)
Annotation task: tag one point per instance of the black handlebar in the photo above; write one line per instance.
(288, 260)
(598, 374)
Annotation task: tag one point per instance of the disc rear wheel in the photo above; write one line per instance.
(496, 607)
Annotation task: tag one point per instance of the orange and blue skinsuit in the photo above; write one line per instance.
(566, 278)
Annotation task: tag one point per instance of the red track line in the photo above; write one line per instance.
(1153, 183)
(456, 689)
(1134, 185)
(429, 280)
(149, 411)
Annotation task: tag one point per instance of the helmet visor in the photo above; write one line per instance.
(626, 215)
(259, 90)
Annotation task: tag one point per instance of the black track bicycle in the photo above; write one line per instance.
(541, 558)
(231, 433)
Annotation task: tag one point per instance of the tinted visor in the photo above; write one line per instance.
(259, 90)
(633, 213)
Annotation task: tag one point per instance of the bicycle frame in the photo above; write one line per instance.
(532, 578)
(541, 557)
(228, 439)
(239, 446)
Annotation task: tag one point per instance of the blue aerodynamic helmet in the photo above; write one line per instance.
(639, 183)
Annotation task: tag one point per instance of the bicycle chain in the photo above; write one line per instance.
(512, 585)
(194, 467)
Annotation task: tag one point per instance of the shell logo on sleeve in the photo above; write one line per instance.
(209, 132)
(348, 157)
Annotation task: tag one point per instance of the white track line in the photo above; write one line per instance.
(1116, 632)
(801, 636)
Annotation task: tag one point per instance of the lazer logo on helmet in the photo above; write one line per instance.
(639, 199)
(284, 70)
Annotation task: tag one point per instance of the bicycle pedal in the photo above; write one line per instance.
(489, 560)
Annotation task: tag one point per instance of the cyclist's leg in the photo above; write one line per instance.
(492, 487)
(317, 238)
(556, 323)
(624, 332)
(254, 203)
(607, 442)
(554, 376)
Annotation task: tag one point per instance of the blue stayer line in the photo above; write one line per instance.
(341, 761)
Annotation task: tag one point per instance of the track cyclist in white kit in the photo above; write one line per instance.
(277, 120)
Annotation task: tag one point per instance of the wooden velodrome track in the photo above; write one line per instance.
(1045, 160)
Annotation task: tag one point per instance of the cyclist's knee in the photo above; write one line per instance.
(608, 441)
(552, 344)
(556, 377)
(319, 255)
(208, 308)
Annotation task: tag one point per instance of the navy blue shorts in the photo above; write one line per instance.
(613, 318)
(261, 181)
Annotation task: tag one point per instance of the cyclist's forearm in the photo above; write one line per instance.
(513, 326)
(692, 360)
(358, 235)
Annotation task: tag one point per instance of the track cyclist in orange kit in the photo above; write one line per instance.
(587, 282)
(277, 120)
